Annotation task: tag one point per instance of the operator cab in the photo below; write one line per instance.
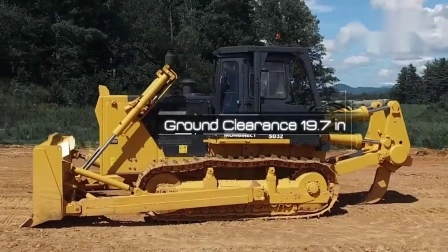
(247, 79)
(253, 79)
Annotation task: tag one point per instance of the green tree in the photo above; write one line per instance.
(207, 25)
(409, 87)
(435, 79)
(65, 47)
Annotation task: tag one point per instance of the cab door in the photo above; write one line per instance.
(231, 86)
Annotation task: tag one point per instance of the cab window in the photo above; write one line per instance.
(273, 81)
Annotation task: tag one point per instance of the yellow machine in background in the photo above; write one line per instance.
(236, 178)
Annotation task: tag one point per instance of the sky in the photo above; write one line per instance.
(369, 41)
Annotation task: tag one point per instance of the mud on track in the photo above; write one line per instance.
(412, 217)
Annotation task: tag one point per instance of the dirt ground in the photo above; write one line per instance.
(412, 217)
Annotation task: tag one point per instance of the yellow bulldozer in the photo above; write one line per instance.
(168, 174)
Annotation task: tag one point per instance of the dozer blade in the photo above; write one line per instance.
(379, 186)
(48, 175)
(54, 195)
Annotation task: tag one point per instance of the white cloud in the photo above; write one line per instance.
(393, 5)
(329, 44)
(387, 83)
(409, 28)
(384, 72)
(409, 33)
(315, 6)
(357, 60)
(436, 34)
(348, 33)
(420, 69)
(416, 61)
(327, 58)
(352, 31)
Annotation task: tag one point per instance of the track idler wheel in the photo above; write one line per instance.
(154, 184)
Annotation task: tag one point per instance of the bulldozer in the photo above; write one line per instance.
(213, 177)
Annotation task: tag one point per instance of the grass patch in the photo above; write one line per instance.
(24, 124)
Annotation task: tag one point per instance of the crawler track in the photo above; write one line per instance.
(253, 210)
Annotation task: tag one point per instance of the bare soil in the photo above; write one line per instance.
(412, 217)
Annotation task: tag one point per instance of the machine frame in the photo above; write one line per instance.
(235, 178)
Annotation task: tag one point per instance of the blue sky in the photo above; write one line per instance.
(368, 41)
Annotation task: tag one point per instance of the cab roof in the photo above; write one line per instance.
(268, 49)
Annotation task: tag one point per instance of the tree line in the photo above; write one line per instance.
(431, 87)
(59, 51)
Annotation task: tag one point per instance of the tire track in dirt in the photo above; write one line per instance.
(14, 209)
(8, 186)
(416, 215)
(15, 202)
(16, 193)
(13, 219)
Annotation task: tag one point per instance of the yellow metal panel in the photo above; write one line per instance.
(134, 148)
(167, 201)
(48, 182)
(183, 149)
